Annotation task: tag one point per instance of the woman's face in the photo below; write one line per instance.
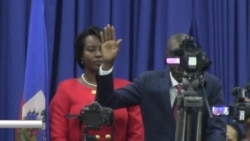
(92, 57)
(231, 134)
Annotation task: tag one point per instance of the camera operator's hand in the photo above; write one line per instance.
(247, 99)
(110, 46)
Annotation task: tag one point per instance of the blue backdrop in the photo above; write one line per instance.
(221, 27)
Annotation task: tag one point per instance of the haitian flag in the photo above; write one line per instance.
(35, 96)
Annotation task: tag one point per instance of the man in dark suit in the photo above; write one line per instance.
(155, 92)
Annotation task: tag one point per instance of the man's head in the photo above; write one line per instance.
(173, 44)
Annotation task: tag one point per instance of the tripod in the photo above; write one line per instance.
(188, 101)
(88, 137)
(92, 133)
(185, 103)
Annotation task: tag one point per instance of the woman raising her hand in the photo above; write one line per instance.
(75, 93)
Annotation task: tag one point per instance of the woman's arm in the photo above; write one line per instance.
(59, 107)
(135, 130)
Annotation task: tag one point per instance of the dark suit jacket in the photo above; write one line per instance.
(151, 91)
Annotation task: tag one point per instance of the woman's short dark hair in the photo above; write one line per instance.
(80, 42)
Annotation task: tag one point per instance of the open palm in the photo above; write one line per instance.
(110, 46)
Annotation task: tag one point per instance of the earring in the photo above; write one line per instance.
(82, 62)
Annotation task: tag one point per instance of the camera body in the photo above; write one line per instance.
(190, 57)
(192, 61)
(239, 110)
(94, 116)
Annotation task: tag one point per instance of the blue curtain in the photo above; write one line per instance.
(221, 27)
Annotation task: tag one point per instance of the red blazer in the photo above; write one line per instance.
(71, 96)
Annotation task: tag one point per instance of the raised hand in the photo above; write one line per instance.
(110, 46)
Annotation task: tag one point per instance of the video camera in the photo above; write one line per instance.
(192, 60)
(240, 109)
(190, 57)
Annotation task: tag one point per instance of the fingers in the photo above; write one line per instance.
(102, 38)
(108, 33)
(118, 42)
(113, 33)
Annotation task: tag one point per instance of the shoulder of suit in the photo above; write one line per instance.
(155, 73)
(210, 76)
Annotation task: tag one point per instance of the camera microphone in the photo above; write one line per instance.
(235, 91)
(247, 87)
(240, 93)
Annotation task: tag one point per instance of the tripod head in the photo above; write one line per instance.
(193, 81)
